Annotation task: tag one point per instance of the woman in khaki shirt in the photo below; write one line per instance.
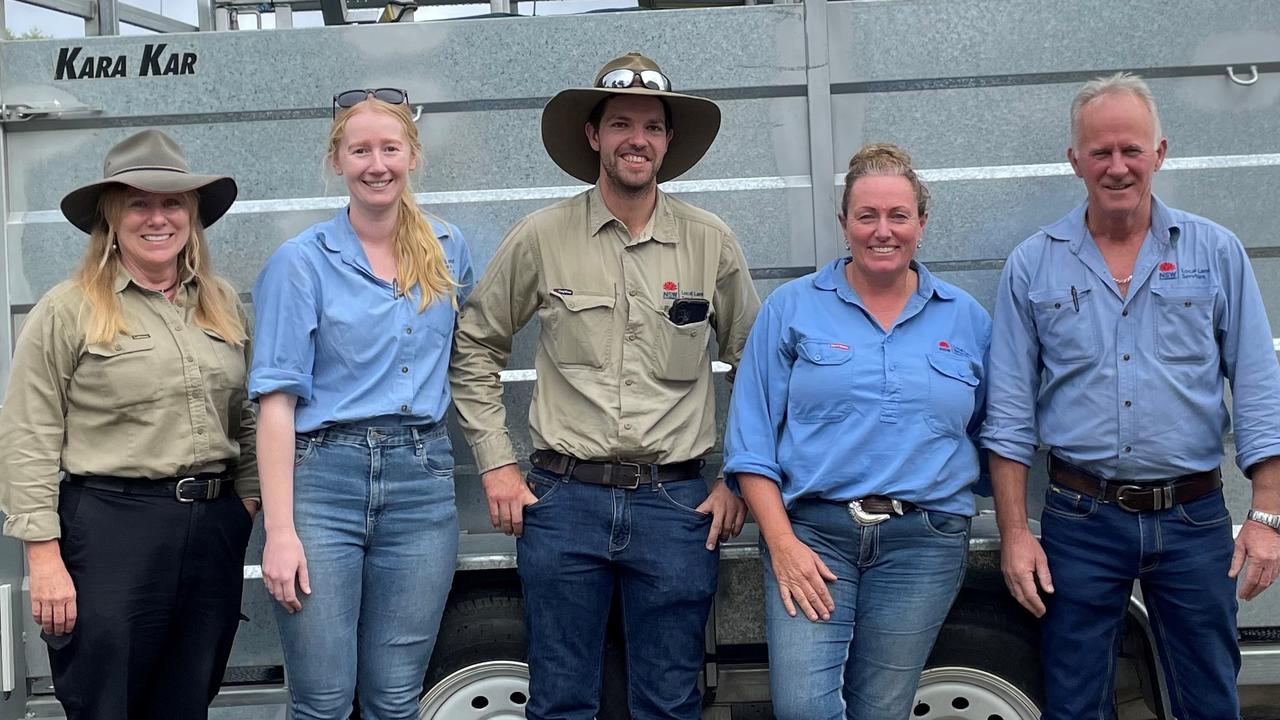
(127, 443)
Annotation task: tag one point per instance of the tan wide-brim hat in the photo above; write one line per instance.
(694, 123)
(150, 161)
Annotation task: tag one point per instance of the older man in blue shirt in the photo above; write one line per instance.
(1114, 328)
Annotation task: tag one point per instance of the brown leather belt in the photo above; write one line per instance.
(1135, 496)
(619, 474)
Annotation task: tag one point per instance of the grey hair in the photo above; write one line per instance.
(1121, 82)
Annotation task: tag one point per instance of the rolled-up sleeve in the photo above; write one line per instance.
(1013, 370)
(1249, 359)
(33, 423)
(758, 406)
(504, 300)
(286, 311)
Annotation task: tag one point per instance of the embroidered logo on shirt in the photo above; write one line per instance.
(840, 346)
(1168, 271)
(669, 289)
(944, 345)
(562, 291)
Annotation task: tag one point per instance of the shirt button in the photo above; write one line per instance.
(404, 369)
(1128, 403)
(408, 331)
(632, 293)
(177, 328)
(652, 374)
(1057, 306)
(1124, 313)
(1128, 448)
(631, 338)
(119, 347)
(627, 426)
(404, 408)
(199, 431)
(629, 383)
(1126, 357)
(190, 359)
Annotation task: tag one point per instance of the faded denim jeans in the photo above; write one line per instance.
(374, 508)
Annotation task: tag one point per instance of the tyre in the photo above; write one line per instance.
(478, 669)
(985, 665)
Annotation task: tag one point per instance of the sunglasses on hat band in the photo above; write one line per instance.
(351, 98)
(625, 78)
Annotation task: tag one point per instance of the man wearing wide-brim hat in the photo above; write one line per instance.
(628, 284)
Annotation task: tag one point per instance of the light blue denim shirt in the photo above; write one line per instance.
(1131, 387)
(831, 406)
(335, 335)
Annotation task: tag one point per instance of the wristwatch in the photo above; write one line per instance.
(1271, 520)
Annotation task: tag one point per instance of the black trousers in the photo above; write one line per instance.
(158, 587)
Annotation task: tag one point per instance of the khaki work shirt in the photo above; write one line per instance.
(616, 378)
(165, 399)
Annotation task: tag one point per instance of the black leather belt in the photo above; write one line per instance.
(1135, 496)
(619, 474)
(875, 509)
(206, 486)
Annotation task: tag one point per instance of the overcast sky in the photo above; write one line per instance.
(20, 17)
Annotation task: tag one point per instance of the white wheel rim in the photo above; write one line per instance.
(494, 690)
(960, 693)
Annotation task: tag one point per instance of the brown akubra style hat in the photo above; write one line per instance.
(694, 120)
(150, 161)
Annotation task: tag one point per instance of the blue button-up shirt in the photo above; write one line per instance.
(831, 406)
(339, 338)
(1131, 387)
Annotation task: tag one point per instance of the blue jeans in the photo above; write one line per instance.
(896, 583)
(374, 509)
(1181, 556)
(580, 542)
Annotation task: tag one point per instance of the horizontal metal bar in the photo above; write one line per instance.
(80, 8)
(151, 21)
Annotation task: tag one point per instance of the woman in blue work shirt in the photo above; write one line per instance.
(354, 324)
(849, 438)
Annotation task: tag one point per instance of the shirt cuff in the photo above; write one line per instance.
(1024, 453)
(268, 380)
(248, 488)
(1247, 459)
(748, 465)
(493, 452)
(34, 526)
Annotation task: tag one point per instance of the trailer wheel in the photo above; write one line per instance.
(985, 665)
(478, 670)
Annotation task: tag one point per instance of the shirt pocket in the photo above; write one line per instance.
(681, 349)
(821, 386)
(1184, 323)
(581, 331)
(1065, 323)
(952, 380)
(125, 370)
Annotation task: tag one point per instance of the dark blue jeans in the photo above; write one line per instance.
(897, 581)
(1180, 556)
(580, 541)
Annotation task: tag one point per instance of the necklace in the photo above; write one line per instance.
(1123, 280)
(166, 291)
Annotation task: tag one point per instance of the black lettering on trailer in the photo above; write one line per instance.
(66, 69)
(151, 59)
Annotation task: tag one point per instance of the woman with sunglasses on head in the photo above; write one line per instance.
(850, 436)
(128, 381)
(355, 318)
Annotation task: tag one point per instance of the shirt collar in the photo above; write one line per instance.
(1072, 228)
(339, 236)
(831, 277)
(661, 225)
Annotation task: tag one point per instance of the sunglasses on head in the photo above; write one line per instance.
(351, 98)
(624, 78)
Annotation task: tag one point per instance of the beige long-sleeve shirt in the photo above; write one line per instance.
(616, 378)
(166, 398)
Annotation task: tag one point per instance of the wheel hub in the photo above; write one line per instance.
(960, 693)
(494, 690)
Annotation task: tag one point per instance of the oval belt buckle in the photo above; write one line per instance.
(862, 517)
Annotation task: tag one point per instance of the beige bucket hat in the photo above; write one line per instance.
(694, 121)
(153, 162)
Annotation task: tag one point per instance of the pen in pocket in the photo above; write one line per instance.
(1075, 298)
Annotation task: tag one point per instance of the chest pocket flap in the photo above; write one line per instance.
(581, 330)
(958, 368)
(819, 352)
(122, 345)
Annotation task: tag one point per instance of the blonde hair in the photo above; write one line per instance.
(216, 304)
(1121, 82)
(884, 159)
(420, 260)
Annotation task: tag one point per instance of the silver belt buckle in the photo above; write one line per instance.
(177, 490)
(862, 517)
(635, 480)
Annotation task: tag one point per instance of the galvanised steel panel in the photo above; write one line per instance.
(963, 39)
(1030, 123)
(479, 64)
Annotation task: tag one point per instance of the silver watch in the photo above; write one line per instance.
(1271, 520)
